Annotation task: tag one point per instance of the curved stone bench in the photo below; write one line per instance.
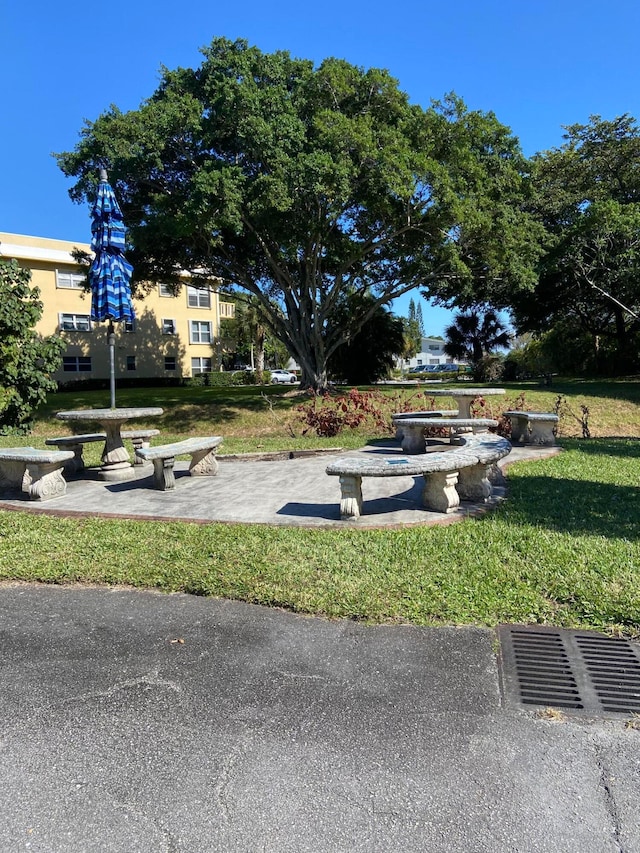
(203, 459)
(474, 484)
(533, 427)
(38, 472)
(441, 471)
(413, 440)
(399, 417)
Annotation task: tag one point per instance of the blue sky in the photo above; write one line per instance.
(538, 66)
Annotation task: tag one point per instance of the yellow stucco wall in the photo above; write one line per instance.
(147, 346)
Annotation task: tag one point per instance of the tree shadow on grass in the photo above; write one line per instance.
(621, 446)
(576, 506)
(615, 389)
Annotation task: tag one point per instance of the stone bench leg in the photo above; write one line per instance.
(203, 463)
(163, 476)
(474, 483)
(75, 465)
(138, 444)
(542, 433)
(13, 475)
(350, 496)
(45, 480)
(413, 440)
(439, 492)
(519, 428)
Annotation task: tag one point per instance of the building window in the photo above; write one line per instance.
(75, 323)
(169, 362)
(435, 347)
(165, 290)
(227, 310)
(200, 365)
(76, 364)
(129, 325)
(198, 298)
(168, 327)
(131, 362)
(200, 331)
(70, 280)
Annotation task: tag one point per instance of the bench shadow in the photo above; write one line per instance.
(330, 512)
(407, 501)
(144, 480)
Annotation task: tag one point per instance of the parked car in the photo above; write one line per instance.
(283, 377)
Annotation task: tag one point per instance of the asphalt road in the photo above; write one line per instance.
(136, 721)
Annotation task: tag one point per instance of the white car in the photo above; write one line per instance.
(283, 377)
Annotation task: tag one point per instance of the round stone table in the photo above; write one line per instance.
(464, 397)
(116, 465)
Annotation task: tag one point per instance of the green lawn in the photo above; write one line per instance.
(563, 549)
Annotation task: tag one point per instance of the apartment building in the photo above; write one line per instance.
(431, 352)
(172, 336)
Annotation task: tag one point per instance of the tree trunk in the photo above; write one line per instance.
(259, 353)
(625, 355)
(308, 350)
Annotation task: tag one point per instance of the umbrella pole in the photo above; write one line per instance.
(111, 337)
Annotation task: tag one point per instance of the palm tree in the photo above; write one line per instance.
(474, 334)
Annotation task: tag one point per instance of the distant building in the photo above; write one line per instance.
(172, 336)
(431, 352)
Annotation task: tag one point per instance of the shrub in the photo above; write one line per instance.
(218, 379)
(490, 368)
(328, 416)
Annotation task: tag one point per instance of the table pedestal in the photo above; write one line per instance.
(116, 464)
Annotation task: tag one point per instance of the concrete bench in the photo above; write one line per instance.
(75, 443)
(38, 472)
(475, 484)
(474, 456)
(203, 459)
(413, 440)
(399, 417)
(139, 438)
(533, 427)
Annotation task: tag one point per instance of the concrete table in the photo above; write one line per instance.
(116, 465)
(464, 397)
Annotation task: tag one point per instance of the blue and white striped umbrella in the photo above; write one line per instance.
(110, 272)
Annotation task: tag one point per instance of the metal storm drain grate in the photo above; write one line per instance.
(577, 671)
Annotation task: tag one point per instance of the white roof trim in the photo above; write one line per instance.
(36, 253)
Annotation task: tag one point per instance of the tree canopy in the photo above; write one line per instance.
(26, 360)
(588, 197)
(299, 184)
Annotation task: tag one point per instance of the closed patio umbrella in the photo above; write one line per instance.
(110, 272)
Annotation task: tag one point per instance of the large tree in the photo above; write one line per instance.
(299, 184)
(588, 196)
(26, 359)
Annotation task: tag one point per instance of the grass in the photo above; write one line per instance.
(563, 550)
